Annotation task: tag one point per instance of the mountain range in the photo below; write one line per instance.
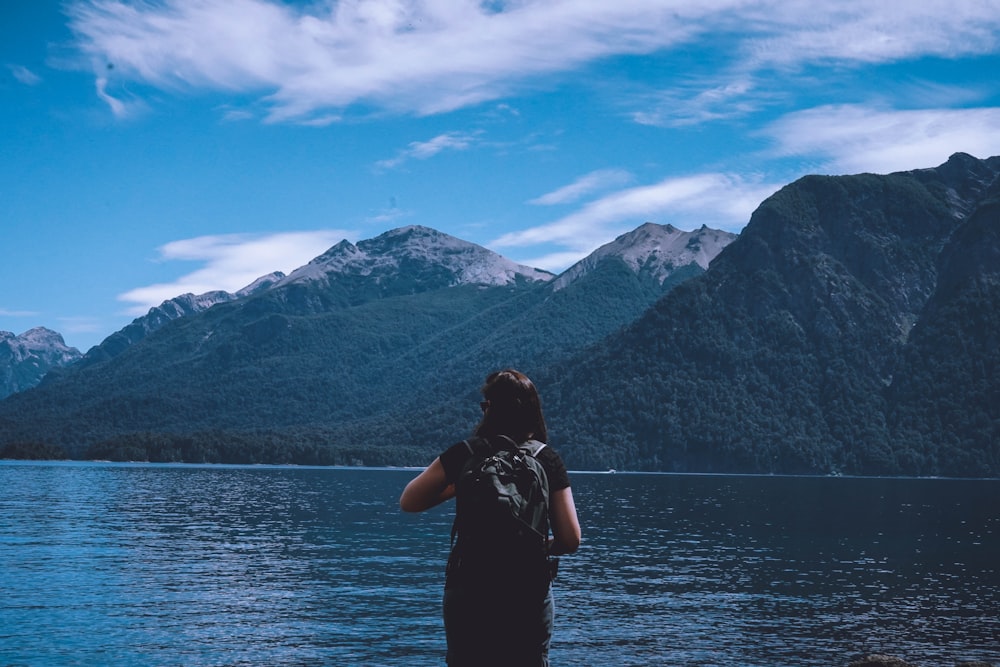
(319, 354)
(851, 328)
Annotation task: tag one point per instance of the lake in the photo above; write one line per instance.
(145, 564)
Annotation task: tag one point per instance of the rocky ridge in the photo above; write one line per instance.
(656, 251)
(26, 358)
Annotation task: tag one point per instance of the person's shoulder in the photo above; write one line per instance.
(548, 453)
(453, 459)
(465, 445)
(554, 467)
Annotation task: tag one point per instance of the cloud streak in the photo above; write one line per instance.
(231, 262)
(427, 57)
(717, 200)
(4, 312)
(24, 75)
(856, 138)
(423, 150)
(594, 181)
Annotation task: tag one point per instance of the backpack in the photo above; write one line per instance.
(502, 513)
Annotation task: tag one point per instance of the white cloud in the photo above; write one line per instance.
(690, 102)
(718, 200)
(80, 324)
(430, 56)
(422, 150)
(854, 138)
(856, 30)
(24, 75)
(118, 107)
(18, 313)
(232, 115)
(231, 262)
(585, 185)
(556, 262)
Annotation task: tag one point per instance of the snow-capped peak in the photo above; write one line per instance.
(416, 246)
(656, 249)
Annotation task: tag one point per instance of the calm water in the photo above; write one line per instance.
(208, 565)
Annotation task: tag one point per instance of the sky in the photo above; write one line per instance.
(152, 148)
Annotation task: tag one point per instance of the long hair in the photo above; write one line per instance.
(514, 409)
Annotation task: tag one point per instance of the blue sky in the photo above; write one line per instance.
(153, 148)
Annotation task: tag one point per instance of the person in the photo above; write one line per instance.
(493, 613)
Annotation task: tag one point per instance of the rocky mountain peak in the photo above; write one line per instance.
(656, 250)
(966, 179)
(416, 250)
(26, 358)
(263, 283)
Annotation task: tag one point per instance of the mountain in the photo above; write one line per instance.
(944, 401)
(342, 349)
(654, 252)
(408, 259)
(589, 301)
(180, 306)
(25, 359)
(851, 328)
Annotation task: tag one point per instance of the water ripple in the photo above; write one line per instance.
(210, 565)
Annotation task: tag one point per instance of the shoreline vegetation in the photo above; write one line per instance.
(411, 468)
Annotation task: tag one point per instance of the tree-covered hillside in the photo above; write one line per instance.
(332, 366)
(851, 328)
(846, 303)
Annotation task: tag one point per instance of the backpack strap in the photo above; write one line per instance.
(475, 445)
(532, 447)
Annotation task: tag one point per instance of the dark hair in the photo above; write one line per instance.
(515, 409)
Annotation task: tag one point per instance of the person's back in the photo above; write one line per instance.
(498, 601)
(501, 528)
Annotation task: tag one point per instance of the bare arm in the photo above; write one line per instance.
(427, 489)
(565, 524)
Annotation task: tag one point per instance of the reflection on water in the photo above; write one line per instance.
(210, 565)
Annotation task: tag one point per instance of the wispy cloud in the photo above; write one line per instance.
(792, 33)
(389, 214)
(425, 56)
(422, 150)
(4, 312)
(24, 75)
(718, 200)
(231, 262)
(594, 181)
(854, 138)
(80, 324)
(232, 115)
(117, 106)
(691, 102)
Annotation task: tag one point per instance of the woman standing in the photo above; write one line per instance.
(497, 612)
